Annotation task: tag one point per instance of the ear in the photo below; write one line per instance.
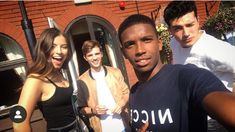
(84, 57)
(198, 19)
(160, 44)
(102, 54)
(123, 52)
(169, 30)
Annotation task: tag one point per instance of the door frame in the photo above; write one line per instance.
(90, 19)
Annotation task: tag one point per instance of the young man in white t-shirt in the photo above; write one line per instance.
(103, 94)
(192, 45)
(195, 46)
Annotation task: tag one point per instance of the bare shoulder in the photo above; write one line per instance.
(34, 81)
(32, 91)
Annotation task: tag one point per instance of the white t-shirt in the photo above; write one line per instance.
(209, 53)
(110, 122)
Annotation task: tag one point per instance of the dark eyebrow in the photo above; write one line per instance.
(147, 37)
(176, 26)
(127, 43)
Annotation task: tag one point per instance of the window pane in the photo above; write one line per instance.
(12, 71)
(10, 84)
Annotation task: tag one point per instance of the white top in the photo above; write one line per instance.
(209, 53)
(110, 122)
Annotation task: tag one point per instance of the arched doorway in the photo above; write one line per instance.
(92, 27)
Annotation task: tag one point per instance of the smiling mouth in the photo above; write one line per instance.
(95, 62)
(142, 62)
(57, 58)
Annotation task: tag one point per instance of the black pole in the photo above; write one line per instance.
(27, 26)
(207, 12)
(137, 7)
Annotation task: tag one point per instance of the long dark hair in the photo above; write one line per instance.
(41, 64)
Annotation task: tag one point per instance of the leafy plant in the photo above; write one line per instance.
(223, 21)
(164, 35)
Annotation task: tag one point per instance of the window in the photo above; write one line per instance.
(12, 72)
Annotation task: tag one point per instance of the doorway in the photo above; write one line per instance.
(95, 28)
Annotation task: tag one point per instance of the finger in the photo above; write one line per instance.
(102, 107)
(144, 127)
(120, 111)
(116, 110)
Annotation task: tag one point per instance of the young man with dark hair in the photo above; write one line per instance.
(195, 46)
(170, 98)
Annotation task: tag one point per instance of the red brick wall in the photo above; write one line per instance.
(38, 11)
(17, 35)
(63, 12)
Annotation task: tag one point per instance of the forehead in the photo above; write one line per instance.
(96, 49)
(185, 19)
(60, 40)
(140, 29)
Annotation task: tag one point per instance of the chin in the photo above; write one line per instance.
(186, 45)
(142, 69)
(57, 67)
(96, 66)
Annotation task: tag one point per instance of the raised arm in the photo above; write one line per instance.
(30, 95)
(221, 106)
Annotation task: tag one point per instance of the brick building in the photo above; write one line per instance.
(90, 19)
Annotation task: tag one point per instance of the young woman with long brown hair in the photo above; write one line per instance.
(45, 85)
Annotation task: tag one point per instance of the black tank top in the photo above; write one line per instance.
(58, 110)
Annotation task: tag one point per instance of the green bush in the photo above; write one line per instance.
(164, 35)
(223, 21)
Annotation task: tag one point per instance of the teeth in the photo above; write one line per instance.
(141, 61)
(57, 57)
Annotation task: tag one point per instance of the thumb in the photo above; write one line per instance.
(144, 127)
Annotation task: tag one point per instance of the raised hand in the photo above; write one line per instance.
(144, 127)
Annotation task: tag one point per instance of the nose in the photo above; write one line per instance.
(140, 49)
(58, 49)
(94, 57)
(185, 31)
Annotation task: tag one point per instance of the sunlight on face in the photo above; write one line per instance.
(59, 51)
(185, 29)
(94, 58)
(141, 46)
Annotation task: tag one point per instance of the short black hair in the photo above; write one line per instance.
(133, 20)
(177, 9)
